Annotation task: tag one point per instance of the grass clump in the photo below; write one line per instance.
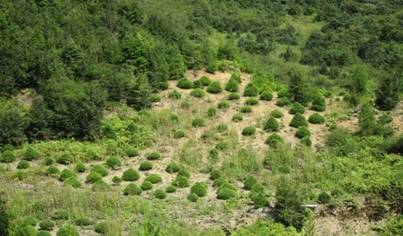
(258, 197)
(223, 105)
(93, 177)
(181, 182)
(184, 84)
(132, 189)
(131, 151)
(198, 122)
(271, 125)
(215, 174)
(152, 156)
(282, 102)
(48, 161)
(246, 109)
(297, 108)
(30, 154)
(116, 180)
(225, 193)
(159, 194)
(47, 225)
(318, 104)
(233, 96)
(211, 112)
(146, 185)
(274, 140)
(65, 174)
(266, 96)
(174, 95)
(65, 159)
(250, 91)
(316, 118)
(214, 87)
(303, 132)
(52, 171)
(276, 113)
(82, 221)
(249, 182)
(178, 134)
(198, 93)
(205, 81)
(298, 121)
(145, 165)
(154, 178)
(172, 168)
(237, 118)
(113, 163)
(251, 101)
(248, 131)
(67, 230)
(284, 93)
(73, 182)
(170, 189)
(23, 164)
(80, 167)
(199, 188)
(192, 197)
(100, 169)
(232, 85)
(130, 175)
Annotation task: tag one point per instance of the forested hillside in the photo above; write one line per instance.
(201, 117)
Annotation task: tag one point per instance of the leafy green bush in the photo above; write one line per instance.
(250, 91)
(192, 197)
(65, 174)
(223, 105)
(319, 104)
(246, 109)
(198, 93)
(178, 134)
(316, 118)
(113, 162)
(155, 98)
(172, 168)
(249, 182)
(93, 177)
(8, 157)
(266, 96)
(199, 188)
(80, 167)
(153, 156)
(283, 93)
(232, 85)
(146, 185)
(174, 95)
(73, 182)
(248, 131)
(24, 230)
(145, 165)
(132, 189)
(281, 102)
(23, 164)
(131, 151)
(60, 214)
(65, 159)
(214, 87)
(233, 96)
(237, 118)
(67, 230)
(205, 81)
(130, 175)
(116, 180)
(184, 84)
(225, 193)
(197, 84)
(298, 121)
(153, 178)
(31, 154)
(274, 140)
(251, 101)
(181, 182)
(214, 174)
(324, 198)
(101, 186)
(184, 172)
(52, 171)
(170, 189)
(259, 199)
(47, 225)
(100, 169)
(302, 132)
(297, 108)
(198, 122)
(159, 194)
(82, 221)
(276, 113)
(43, 233)
(48, 161)
(271, 125)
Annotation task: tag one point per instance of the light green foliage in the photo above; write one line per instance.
(130, 175)
(297, 108)
(132, 189)
(271, 125)
(198, 93)
(214, 87)
(316, 118)
(250, 91)
(184, 84)
(248, 131)
(146, 185)
(298, 121)
(199, 188)
(153, 178)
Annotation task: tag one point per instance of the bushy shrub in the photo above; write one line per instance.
(324, 198)
(8, 157)
(145, 165)
(396, 146)
(73, 182)
(214, 87)
(225, 193)
(192, 197)
(48, 161)
(172, 168)
(184, 172)
(302, 132)
(259, 199)
(52, 171)
(237, 118)
(116, 180)
(23, 164)
(43, 233)
(174, 95)
(306, 141)
(223, 105)
(100, 228)
(251, 101)
(132, 189)
(298, 121)
(198, 122)
(93, 177)
(199, 188)
(198, 93)
(65, 159)
(100, 169)
(170, 189)
(205, 81)
(153, 156)
(80, 167)
(154, 178)
(31, 154)
(283, 93)
(130, 175)
(274, 140)
(197, 84)
(113, 162)
(248, 131)
(23, 230)
(281, 102)
(246, 109)
(266, 96)
(47, 225)
(159, 194)
(146, 185)
(65, 174)
(297, 108)
(60, 215)
(67, 230)
(155, 98)
(316, 118)
(271, 125)
(82, 221)
(276, 113)
(100, 186)
(211, 112)
(232, 85)
(184, 84)
(178, 134)
(319, 104)
(233, 96)
(214, 174)
(131, 151)
(181, 182)
(249, 182)
(250, 91)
